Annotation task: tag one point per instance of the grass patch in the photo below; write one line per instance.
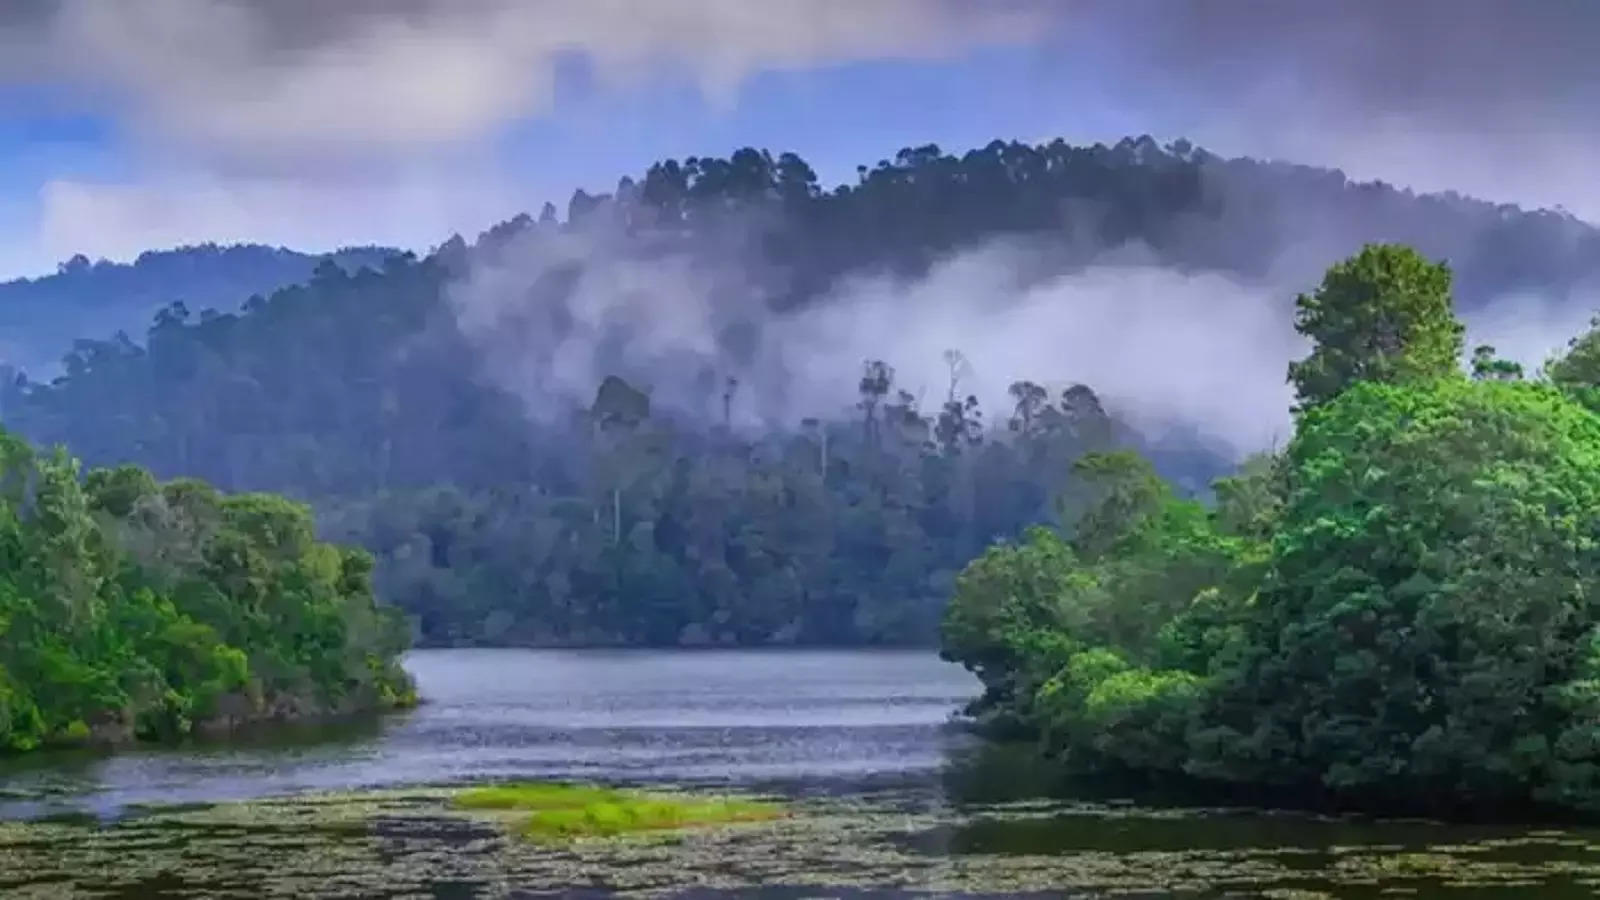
(559, 812)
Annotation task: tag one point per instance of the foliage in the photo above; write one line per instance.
(840, 532)
(1486, 366)
(1578, 370)
(130, 608)
(1110, 625)
(1382, 315)
(562, 812)
(1397, 611)
(1427, 623)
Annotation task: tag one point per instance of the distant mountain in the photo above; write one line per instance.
(41, 317)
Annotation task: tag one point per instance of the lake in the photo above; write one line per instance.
(890, 798)
(807, 717)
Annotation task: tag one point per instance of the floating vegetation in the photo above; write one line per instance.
(438, 842)
(561, 812)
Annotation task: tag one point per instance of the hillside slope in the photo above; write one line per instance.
(41, 317)
(618, 426)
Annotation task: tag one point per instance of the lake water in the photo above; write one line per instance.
(890, 800)
(808, 718)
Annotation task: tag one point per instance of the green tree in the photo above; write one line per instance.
(1383, 315)
(1396, 610)
(1426, 623)
(1578, 370)
(130, 608)
(1487, 366)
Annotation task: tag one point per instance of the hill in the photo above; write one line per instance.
(716, 405)
(40, 318)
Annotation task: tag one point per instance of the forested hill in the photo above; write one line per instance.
(585, 428)
(41, 317)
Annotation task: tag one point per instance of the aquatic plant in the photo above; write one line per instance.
(570, 811)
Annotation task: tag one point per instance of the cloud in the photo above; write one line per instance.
(1531, 329)
(1163, 348)
(247, 98)
(554, 312)
(119, 220)
(1490, 97)
(1205, 354)
(265, 80)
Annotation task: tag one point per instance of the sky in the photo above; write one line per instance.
(323, 123)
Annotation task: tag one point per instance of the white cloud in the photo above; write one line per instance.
(118, 221)
(1487, 97)
(1162, 348)
(248, 99)
(260, 81)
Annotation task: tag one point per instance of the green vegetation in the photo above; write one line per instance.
(362, 393)
(1384, 315)
(567, 811)
(1396, 611)
(131, 608)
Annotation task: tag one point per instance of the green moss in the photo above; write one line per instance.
(569, 811)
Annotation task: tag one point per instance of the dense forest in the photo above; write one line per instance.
(136, 609)
(1396, 611)
(424, 407)
(42, 317)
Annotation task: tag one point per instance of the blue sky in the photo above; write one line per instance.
(123, 129)
(837, 116)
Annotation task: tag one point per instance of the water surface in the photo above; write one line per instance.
(805, 717)
(889, 800)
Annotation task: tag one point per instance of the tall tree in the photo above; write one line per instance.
(1382, 315)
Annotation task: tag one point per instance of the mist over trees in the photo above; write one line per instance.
(594, 427)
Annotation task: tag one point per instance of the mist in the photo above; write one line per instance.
(553, 312)
(1163, 348)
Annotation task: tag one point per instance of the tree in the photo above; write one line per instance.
(1382, 315)
(877, 377)
(1396, 611)
(618, 411)
(131, 608)
(1030, 402)
(1486, 366)
(1426, 625)
(1578, 370)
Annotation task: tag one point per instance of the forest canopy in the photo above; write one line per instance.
(131, 609)
(1396, 610)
